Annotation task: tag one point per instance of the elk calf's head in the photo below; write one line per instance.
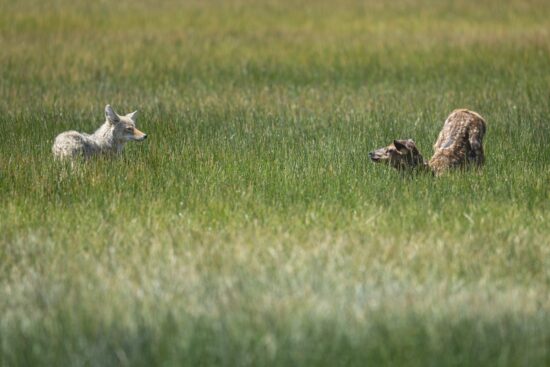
(401, 155)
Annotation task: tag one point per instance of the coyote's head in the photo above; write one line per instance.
(124, 126)
(401, 154)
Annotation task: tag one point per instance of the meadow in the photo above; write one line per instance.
(250, 228)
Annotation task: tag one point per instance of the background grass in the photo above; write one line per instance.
(251, 229)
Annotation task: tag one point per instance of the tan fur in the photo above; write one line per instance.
(108, 139)
(459, 145)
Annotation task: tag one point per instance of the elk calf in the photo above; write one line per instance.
(460, 144)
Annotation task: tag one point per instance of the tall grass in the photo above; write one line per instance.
(250, 228)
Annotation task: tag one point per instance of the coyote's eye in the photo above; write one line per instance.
(129, 129)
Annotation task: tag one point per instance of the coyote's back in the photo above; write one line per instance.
(73, 143)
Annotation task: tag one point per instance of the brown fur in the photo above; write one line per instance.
(460, 142)
(459, 145)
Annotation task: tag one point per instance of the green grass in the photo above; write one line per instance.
(250, 228)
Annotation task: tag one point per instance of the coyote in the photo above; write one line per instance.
(108, 139)
(460, 144)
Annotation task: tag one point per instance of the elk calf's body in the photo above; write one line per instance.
(460, 142)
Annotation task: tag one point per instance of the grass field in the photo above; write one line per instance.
(250, 228)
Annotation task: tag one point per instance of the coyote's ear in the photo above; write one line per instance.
(132, 116)
(399, 145)
(111, 115)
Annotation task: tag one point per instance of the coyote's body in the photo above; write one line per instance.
(460, 144)
(108, 139)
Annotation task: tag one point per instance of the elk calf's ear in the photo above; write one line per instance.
(412, 146)
(111, 115)
(399, 145)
